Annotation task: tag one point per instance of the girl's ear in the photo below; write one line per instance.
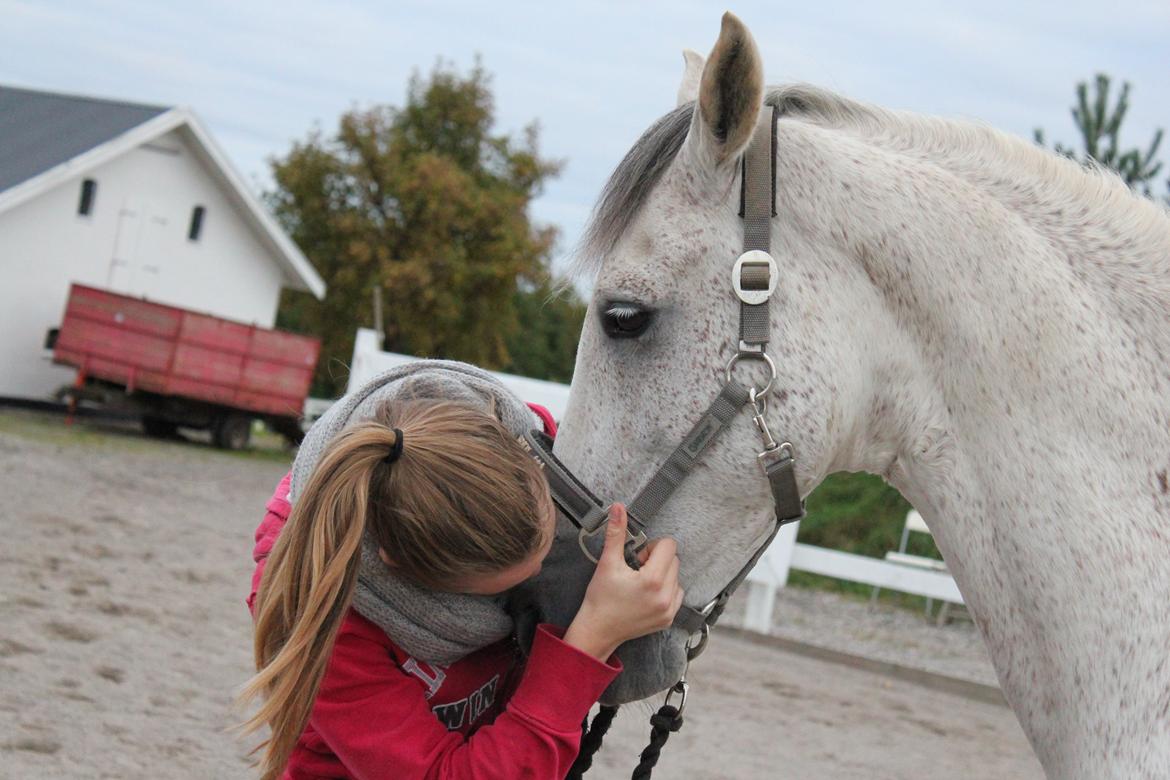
(386, 559)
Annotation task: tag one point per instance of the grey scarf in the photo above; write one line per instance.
(436, 627)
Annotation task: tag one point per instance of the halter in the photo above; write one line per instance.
(753, 279)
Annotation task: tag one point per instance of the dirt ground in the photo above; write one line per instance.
(124, 563)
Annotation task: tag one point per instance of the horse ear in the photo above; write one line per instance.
(688, 90)
(731, 93)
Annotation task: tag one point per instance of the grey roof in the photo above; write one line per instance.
(39, 130)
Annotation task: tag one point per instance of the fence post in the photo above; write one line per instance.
(761, 601)
(770, 574)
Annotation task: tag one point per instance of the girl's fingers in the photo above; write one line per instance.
(672, 572)
(662, 552)
(615, 535)
(644, 554)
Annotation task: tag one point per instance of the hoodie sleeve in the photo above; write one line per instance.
(377, 722)
(274, 519)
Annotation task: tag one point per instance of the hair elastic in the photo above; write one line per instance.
(396, 450)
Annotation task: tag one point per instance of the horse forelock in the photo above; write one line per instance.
(644, 164)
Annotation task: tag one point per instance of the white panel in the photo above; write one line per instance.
(761, 602)
(369, 361)
(774, 564)
(914, 522)
(874, 571)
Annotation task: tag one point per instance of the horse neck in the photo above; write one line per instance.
(1019, 403)
(1022, 318)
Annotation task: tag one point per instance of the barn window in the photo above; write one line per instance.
(196, 223)
(88, 191)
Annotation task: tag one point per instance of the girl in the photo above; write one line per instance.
(451, 504)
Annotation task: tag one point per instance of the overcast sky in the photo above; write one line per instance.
(260, 73)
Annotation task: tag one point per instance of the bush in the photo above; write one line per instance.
(860, 514)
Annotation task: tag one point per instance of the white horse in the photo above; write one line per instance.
(983, 324)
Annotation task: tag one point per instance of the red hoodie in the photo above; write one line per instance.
(382, 714)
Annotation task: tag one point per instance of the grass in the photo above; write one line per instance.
(860, 514)
(51, 428)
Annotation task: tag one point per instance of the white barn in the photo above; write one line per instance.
(132, 198)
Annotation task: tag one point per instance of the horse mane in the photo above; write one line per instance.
(969, 149)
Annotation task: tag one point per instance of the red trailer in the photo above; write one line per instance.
(178, 367)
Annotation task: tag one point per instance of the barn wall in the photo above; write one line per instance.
(135, 242)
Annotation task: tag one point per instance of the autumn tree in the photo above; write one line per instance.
(1099, 121)
(545, 344)
(431, 203)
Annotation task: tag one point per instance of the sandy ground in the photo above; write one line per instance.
(880, 631)
(123, 634)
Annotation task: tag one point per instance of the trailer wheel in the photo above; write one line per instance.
(232, 432)
(158, 428)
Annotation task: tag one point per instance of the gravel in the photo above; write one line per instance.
(124, 563)
(879, 631)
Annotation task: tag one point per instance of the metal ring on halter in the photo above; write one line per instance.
(694, 651)
(681, 688)
(738, 356)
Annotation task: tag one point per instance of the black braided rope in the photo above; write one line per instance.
(591, 737)
(662, 724)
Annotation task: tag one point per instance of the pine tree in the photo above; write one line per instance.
(1099, 123)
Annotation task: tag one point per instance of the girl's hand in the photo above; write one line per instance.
(623, 603)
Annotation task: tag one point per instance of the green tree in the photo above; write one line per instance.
(429, 202)
(1099, 123)
(545, 344)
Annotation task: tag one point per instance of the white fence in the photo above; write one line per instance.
(770, 574)
(369, 360)
(785, 553)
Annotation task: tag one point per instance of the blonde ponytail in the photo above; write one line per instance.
(307, 586)
(463, 499)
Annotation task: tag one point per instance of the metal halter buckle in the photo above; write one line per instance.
(754, 259)
(636, 538)
(773, 452)
(682, 688)
(695, 650)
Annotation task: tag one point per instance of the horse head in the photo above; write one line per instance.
(979, 321)
(661, 328)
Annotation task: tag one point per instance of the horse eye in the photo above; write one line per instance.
(623, 320)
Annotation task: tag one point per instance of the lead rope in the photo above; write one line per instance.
(662, 724)
(669, 718)
(591, 737)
